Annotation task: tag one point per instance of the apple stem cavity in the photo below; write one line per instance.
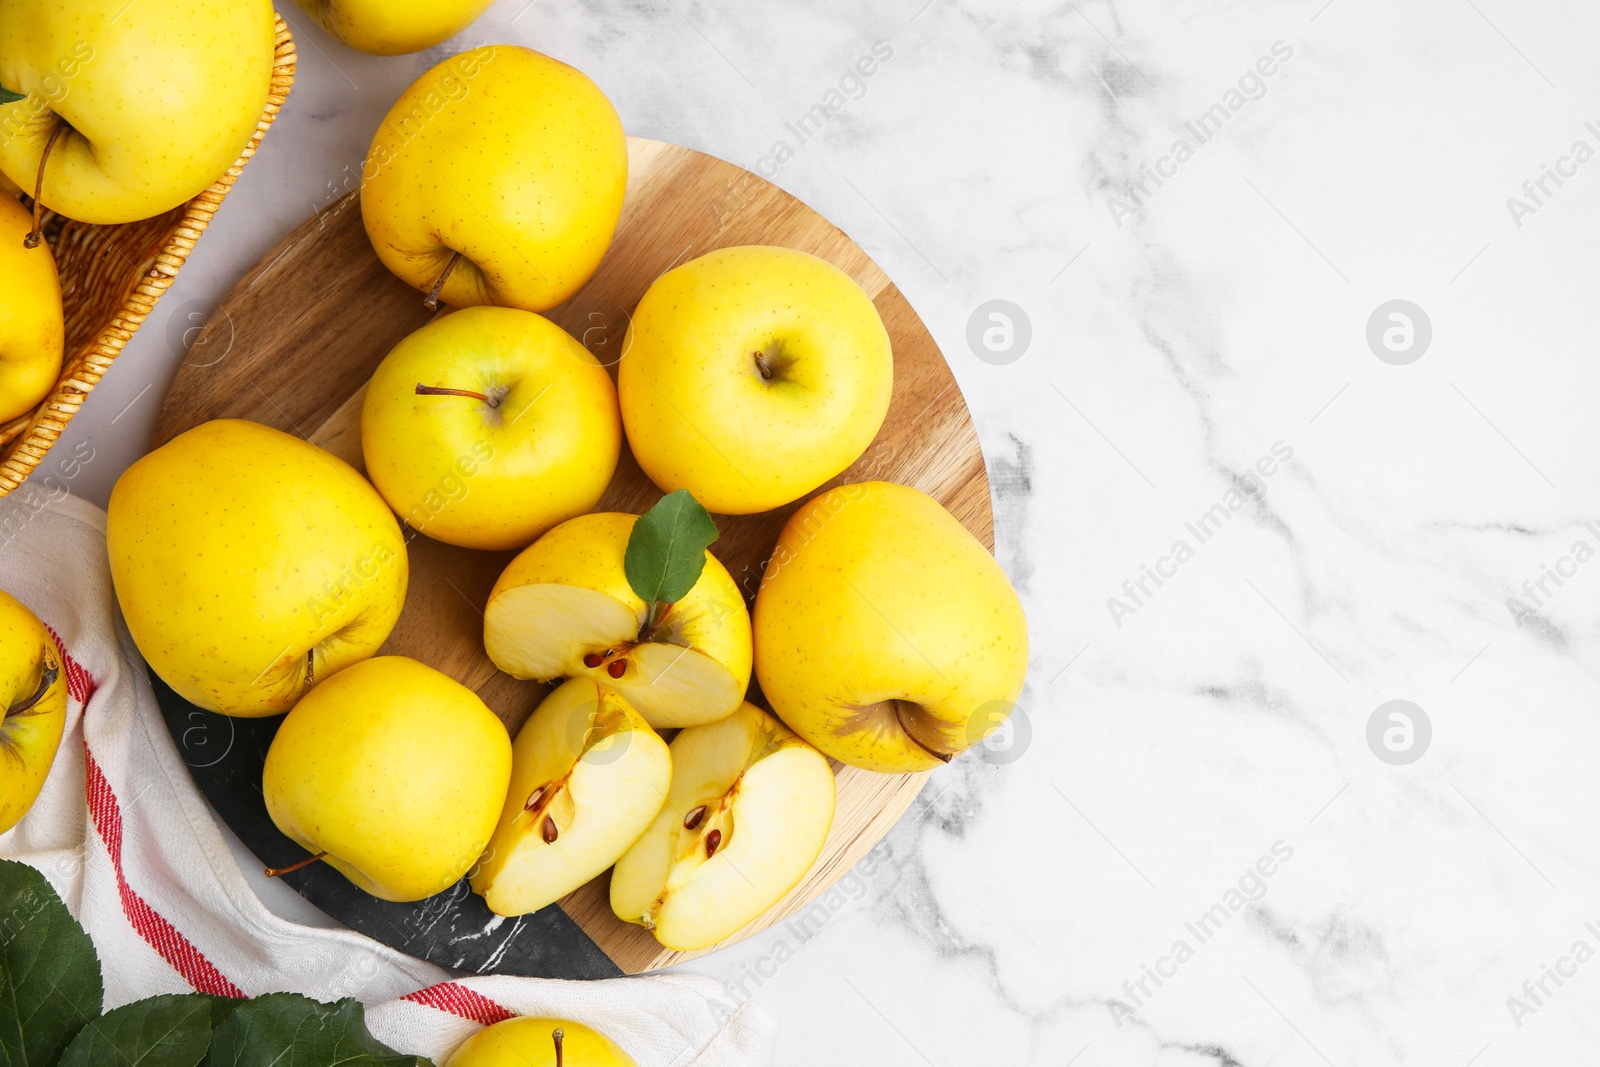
(278, 872)
(36, 234)
(47, 678)
(432, 302)
(557, 1035)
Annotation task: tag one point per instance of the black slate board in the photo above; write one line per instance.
(453, 929)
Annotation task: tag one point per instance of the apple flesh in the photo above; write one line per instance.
(31, 326)
(749, 811)
(753, 375)
(251, 564)
(531, 1042)
(885, 634)
(33, 700)
(391, 773)
(488, 426)
(564, 608)
(588, 776)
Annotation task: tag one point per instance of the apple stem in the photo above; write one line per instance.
(942, 757)
(557, 1035)
(311, 668)
(36, 234)
(432, 302)
(439, 390)
(763, 366)
(278, 872)
(653, 620)
(47, 678)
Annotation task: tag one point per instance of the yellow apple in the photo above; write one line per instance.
(564, 608)
(391, 773)
(152, 101)
(530, 1042)
(515, 428)
(588, 776)
(751, 376)
(250, 565)
(747, 816)
(394, 27)
(885, 634)
(496, 179)
(31, 328)
(33, 697)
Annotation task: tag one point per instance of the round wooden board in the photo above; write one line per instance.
(293, 346)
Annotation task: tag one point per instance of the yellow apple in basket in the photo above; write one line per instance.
(496, 179)
(747, 816)
(394, 27)
(250, 565)
(530, 1042)
(589, 775)
(489, 426)
(31, 328)
(566, 607)
(886, 635)
(147, 102)
(33, 699)
(753, 375)
(391, 773)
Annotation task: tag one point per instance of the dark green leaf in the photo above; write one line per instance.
(667, 549)
(9, 97)
(288, 1030)
(49, 974)
(169, 1031)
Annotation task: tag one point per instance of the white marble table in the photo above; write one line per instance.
(1196, 857)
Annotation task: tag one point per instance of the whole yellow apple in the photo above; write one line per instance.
(33, 697)
(394, 27)
(250, 565)
(488, 426)
(565, 608)
(751, 376)
(497, 178)
(530, 1042)
(31, 328)
(147, 103)
(885, 634)
(391, 773)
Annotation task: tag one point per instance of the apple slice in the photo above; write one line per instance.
(750, 807)
(565, 608)
(587, 777)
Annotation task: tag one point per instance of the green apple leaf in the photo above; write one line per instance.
(50, 984)
(9, 97)
(288, 1030)
(667, 549)
(166, 1031)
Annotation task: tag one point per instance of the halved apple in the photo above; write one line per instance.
(564, 608)
(750, 808)
(587, 777)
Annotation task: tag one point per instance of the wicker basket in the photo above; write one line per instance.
(111, 278)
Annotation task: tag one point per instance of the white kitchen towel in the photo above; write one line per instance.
(127, 840)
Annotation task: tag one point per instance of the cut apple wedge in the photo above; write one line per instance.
(565, 608)
(588, 775)
(750, 807)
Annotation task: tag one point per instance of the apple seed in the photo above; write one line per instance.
(713, 842)
(548, 831)
(594, 659)
(534, 798)
(617, 668)
(691, 820)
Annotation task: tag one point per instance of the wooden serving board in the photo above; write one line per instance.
(293, 346)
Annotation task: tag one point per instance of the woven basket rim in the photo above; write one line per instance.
(32, 435)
